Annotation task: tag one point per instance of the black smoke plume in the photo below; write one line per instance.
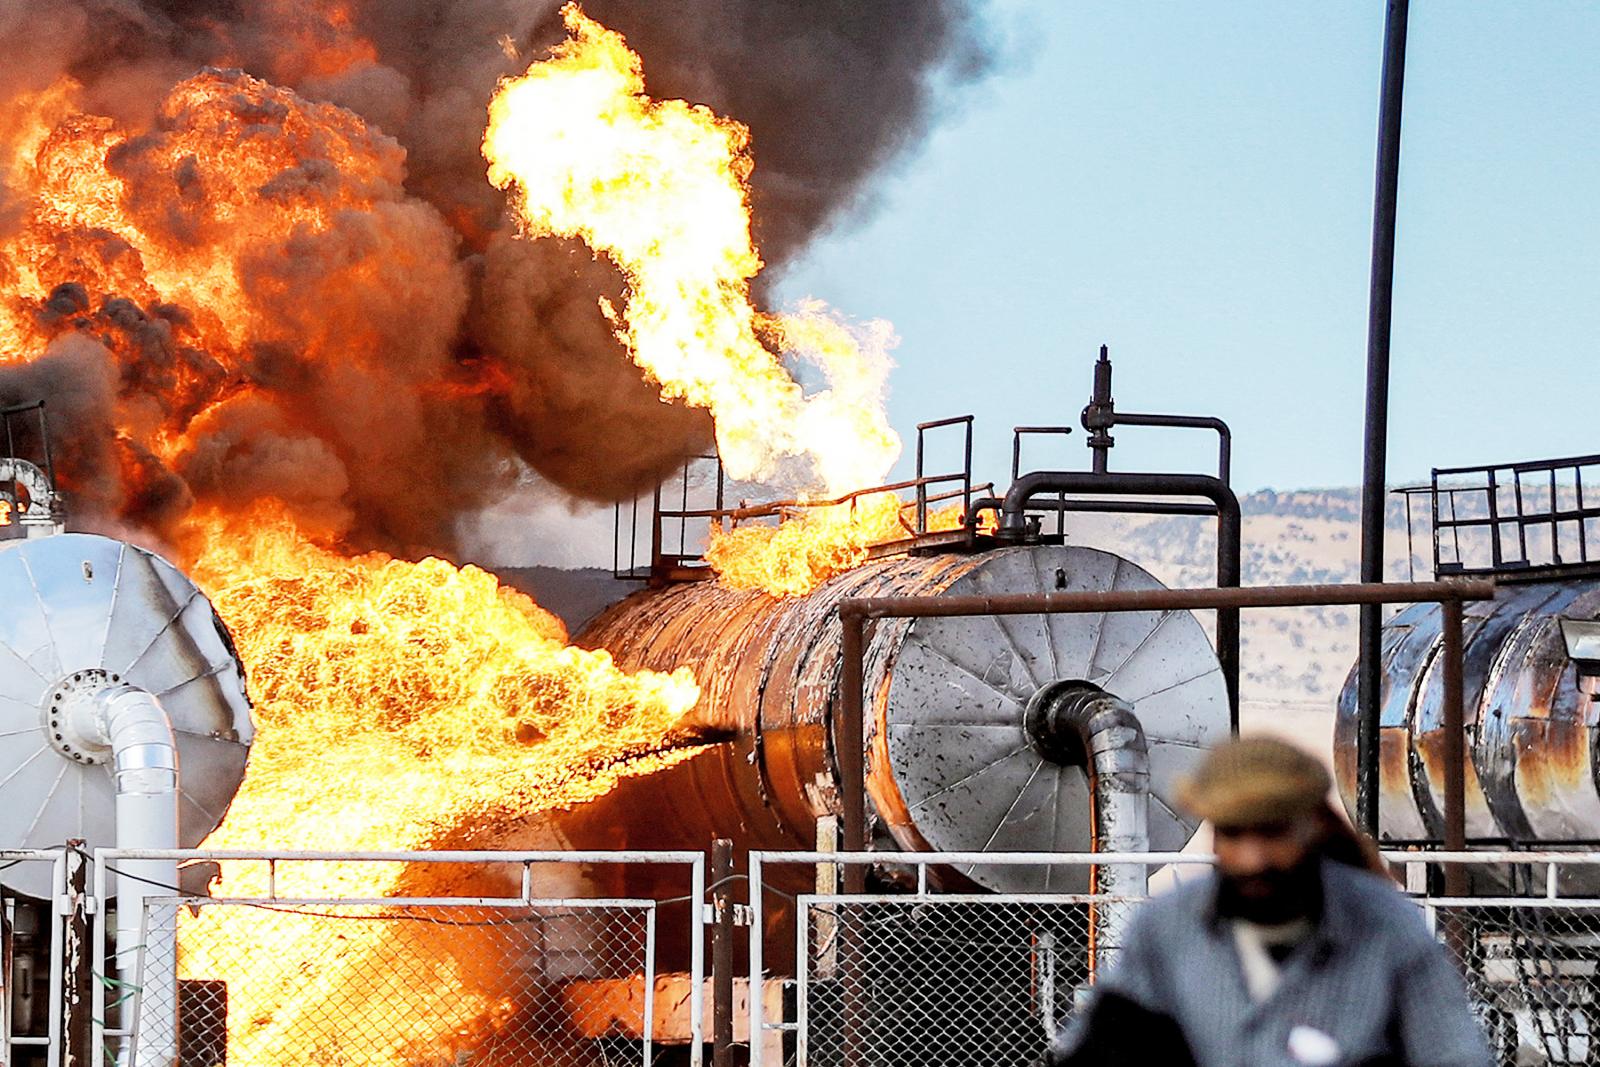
(519, 368)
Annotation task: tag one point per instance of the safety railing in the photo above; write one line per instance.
(1528, 520)
(33, 886)
(400, 957)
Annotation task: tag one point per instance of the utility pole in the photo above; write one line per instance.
(1375, 453)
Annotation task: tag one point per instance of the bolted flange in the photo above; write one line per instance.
(63, 717)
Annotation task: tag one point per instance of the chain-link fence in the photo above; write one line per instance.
(1532, 968)
(907, 977)
(379, 986)
(928, 978)
(291, 979)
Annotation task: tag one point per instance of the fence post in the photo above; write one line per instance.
(722, 954)
(77, 969)
(758, 979)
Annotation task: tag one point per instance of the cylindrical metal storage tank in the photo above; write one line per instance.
(84, 615)
(950, 764)
(1529, 715)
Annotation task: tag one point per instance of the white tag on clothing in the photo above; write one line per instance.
(1312, 1047)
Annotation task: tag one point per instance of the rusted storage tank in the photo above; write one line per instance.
(953, 760)
(1529, 713)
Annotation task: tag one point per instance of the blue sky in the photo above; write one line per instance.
(1191, 183)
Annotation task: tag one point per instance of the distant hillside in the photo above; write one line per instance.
(1293, 658)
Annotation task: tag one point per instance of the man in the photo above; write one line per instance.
(1295, 950)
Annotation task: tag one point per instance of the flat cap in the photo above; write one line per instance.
(1255, 781)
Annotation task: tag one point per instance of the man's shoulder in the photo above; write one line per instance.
(1373, 904)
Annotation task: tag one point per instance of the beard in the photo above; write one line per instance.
(1274, 896)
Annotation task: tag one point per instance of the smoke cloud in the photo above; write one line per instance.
(407, 361)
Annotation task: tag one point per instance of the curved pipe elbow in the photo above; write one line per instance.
(1079, 724)
(144, 753)
(1023, 491)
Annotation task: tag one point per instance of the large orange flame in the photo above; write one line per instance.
(399, 705)
(661, 188)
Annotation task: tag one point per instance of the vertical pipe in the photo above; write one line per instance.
(16, 489)
(1100, 406)
(847, 740)
(922, 489)
(966, 473)
(44, 443)
(655, 537)
(1455, 751)
(1411, 548)
(1230, 572)
(1375, 458)
(683, 517)
(722, 953)
(758, 970)
(633, 538)
(697, 962)
(722, 481)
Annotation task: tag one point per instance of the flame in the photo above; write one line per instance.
(661, 189)
(431, 699)
(463, 691)
(805, 550)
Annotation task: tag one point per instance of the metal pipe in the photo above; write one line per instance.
(967, 469)
(1098, 416)
(78, 989)
(1455, 750)
(1136, 507)
(722, 953)
(655, 536)
(1077, 723)
(1188, 422)
(1251, 596)
(849, 739)
(1229, 535)
(1376, 433)
(758, 969)
(922, 488)
(132, 725)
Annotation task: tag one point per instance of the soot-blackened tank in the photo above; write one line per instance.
(950, 763)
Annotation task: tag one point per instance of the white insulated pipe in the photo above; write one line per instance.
(129, 723)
